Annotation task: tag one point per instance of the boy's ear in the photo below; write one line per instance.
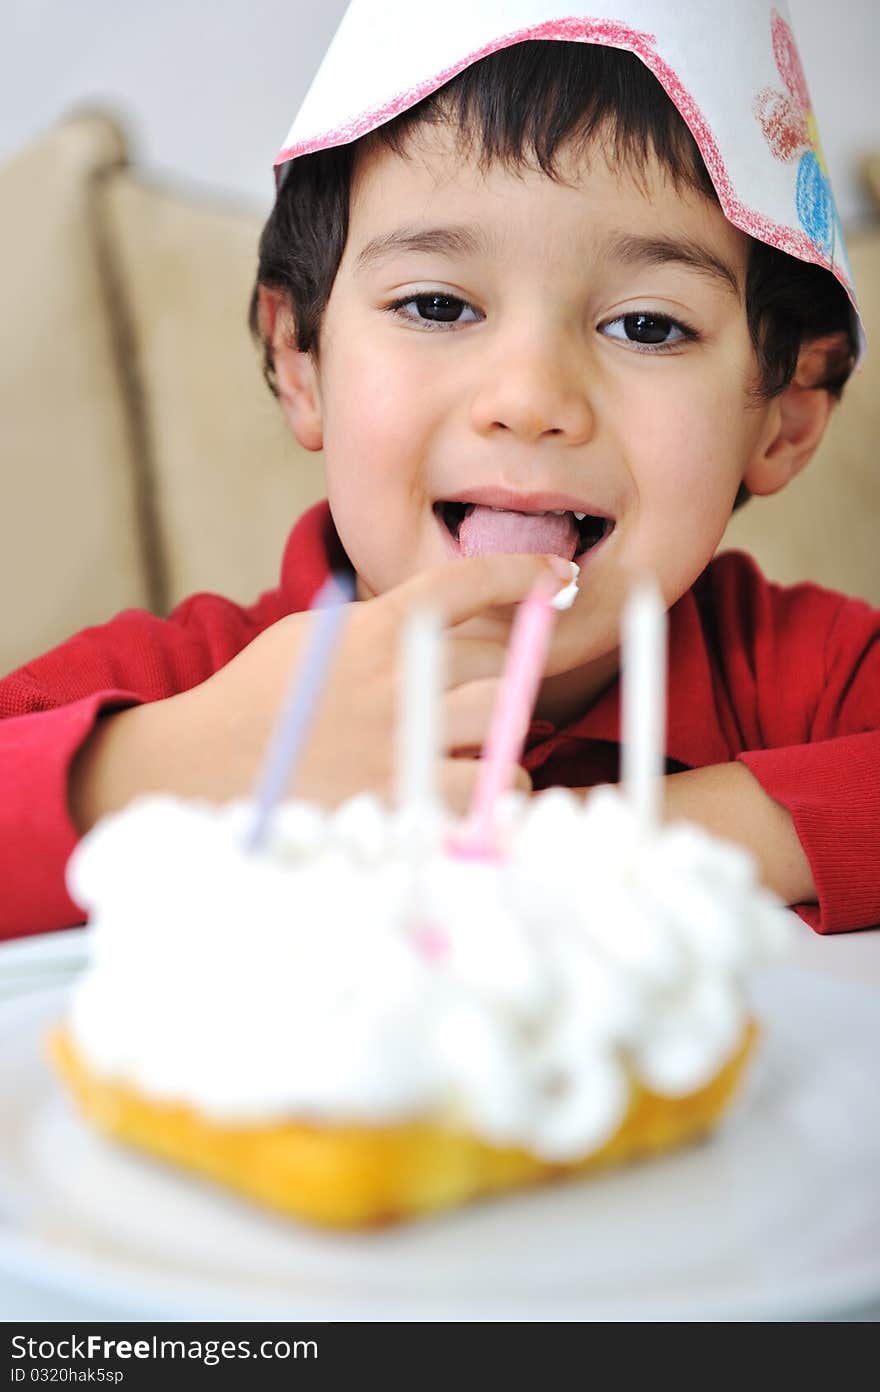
(295, 374)
(796, 420)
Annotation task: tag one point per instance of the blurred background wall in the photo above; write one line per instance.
(208, 88)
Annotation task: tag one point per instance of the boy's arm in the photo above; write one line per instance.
(802, 672)
(797, 686)
(795, 689)
(729, 802)
(830, 791)
(203, 711)
(50, 709)
(809, 814)
(36, 833)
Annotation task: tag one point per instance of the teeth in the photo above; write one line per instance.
(562, 512)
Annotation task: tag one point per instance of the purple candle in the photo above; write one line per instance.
(306, 683)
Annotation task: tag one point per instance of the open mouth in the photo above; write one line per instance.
(474, 528)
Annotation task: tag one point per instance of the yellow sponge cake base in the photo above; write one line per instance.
(358, 1176)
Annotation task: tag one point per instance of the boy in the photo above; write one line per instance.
(523, 331)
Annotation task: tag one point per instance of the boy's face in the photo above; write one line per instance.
(588, 352)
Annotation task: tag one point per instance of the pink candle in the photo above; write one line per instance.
(526, 659)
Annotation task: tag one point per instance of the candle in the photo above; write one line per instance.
(418, 749)
(523, 670)
(643, 635)
(300, 703)
(418, 724)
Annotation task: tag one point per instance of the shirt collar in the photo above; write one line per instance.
(312, 553)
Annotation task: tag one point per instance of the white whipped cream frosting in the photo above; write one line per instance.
(338, 977)
(566, 597)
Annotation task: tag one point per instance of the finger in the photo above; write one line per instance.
(458, 780)
(466, 714)
(471, 659)
(522, 780)
(464, 588)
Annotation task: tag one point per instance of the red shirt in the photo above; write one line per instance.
(785, 679)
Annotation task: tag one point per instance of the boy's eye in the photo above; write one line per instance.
(648, 330)
(434, 308)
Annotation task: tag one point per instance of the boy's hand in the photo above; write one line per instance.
(210, 741)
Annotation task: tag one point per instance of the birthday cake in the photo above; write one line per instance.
(352, 1032)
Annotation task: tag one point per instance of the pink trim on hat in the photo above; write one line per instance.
(612, 34)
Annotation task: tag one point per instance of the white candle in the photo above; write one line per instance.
(418, 723)
(644, 636)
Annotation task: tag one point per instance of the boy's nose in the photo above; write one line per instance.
(534, 394)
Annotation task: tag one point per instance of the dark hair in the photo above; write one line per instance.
(519, 106)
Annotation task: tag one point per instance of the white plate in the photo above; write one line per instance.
(778, 1217)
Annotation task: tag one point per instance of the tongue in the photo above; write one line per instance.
(487, 530)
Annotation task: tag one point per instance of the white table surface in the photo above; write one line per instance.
(853, 957)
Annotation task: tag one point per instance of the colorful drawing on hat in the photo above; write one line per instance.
(791, 132)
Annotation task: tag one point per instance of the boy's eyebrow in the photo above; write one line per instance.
(448, 241)
(632, 250)
(627, 248)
